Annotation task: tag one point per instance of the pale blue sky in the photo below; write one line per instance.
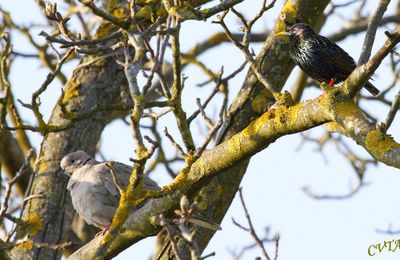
(272, 187)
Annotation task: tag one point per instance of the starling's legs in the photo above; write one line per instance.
(332, 82)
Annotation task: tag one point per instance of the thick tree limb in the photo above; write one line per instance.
(257, 136)
(334, 106)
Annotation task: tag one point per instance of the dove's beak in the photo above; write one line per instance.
(283, 33)
(63, 172)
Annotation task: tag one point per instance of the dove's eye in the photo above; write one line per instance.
(72, 161)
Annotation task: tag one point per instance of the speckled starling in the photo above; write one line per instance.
(319, 57)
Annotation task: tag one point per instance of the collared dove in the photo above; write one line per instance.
(95, 196)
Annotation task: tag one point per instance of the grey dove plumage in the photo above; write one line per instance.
(95, 196)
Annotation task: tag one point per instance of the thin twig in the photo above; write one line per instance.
(176, 91)
(388, 231)
(307, 190)
(156, 116)
(50, 77)
(277, 238)
(392, 112)
(5, 83)
(360, 75)
(247, 53)
(191, 14)
(209, 98)
(115, 177)
(208, 255)
(208, 121)
(336, 6)
(220, 83)
(373, 25)
(35, 244)
(361, 26)
(251, 227)
(164, 87)
(66, 43)
(17, 177)
(214, 129)
(175, 144)
(169, 230)
(101, 13)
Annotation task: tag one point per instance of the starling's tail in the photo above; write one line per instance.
(371, 89)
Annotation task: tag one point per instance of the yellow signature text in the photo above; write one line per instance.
(389, 246)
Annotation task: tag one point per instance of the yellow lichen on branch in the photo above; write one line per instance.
(380, 143)
(33, 223)
(349, 120)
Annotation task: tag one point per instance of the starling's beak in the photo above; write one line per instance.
(283, 33)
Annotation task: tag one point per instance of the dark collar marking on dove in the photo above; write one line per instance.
(87, 161)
